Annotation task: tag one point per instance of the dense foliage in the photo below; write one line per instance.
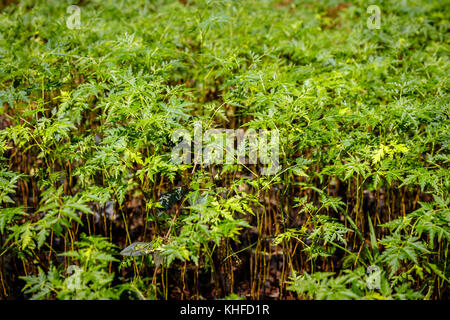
(358, 210)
